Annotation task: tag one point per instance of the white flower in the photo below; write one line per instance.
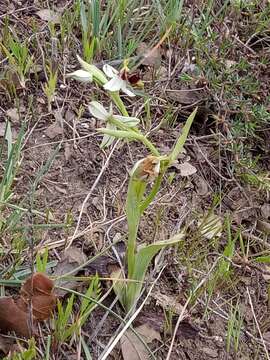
(116, 83)
(99, 112)
(81, 75)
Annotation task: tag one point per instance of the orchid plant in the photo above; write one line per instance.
(149, 170)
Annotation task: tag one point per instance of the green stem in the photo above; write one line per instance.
(119, 103)
(147, 201)
(149, 145)
(137, 135)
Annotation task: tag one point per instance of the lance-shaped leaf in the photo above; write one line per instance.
(142, 261)
(183, 137)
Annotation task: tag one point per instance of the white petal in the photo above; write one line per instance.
(81, 75)
(157, 168)
(108, 139)
(109, 70)
(97, 110)
(128, 120)
(126, 90)
(115, 84)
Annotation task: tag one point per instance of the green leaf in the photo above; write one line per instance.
(8, 137)
(142, 260)
(86, 350)
(119, 287)
(183, 137)
(136, 189)
(263, 259)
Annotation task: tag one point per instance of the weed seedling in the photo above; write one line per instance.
(19, 57)
(50, 86)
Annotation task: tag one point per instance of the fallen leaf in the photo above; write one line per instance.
(102, 265)
(38, 284)
(168, 302)
(2, 129)
(49, 15)
(132, 347)
(38, 291)
(265, 211)
(148, 333)
(263, 226)
(36, 295)
(12, 318)
(212, 353)
(162, 73)
(201, 185)
(157, 321)
(150, 57)
(72, 258)
(70, 116)
(185, 97)
(54, 130)
(7, 345)
(13, 114)
(186, 169)
(67, 151)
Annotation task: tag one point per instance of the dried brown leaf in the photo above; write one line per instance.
(2, 128)
(265, 211)
(186, 169)
(49, 15)
(148, 333)
(201, 186)
(12, 318)
(7, 345)
(185, 97)
(168, 302)
(72, 258)
(132, 348)
(54, 130)
(13, 115)
(67, 151)
(38, 291)
(36, 295)
(157, 321)
(263, 226)
(151, 57)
